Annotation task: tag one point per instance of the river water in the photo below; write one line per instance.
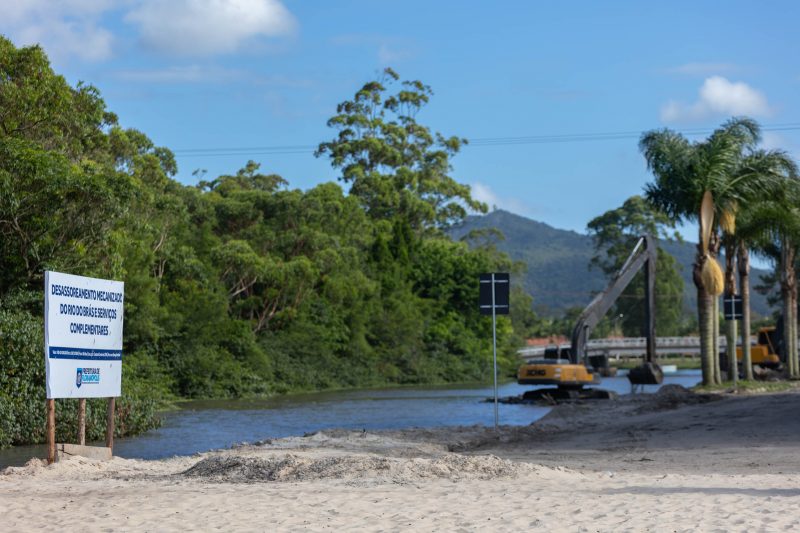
(203, 425)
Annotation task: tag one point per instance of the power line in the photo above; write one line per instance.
(477, 142)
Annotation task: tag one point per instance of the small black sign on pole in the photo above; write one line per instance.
(494, 300)
(732, 307)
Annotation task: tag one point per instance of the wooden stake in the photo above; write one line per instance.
(51, 431)
(110, 424)
(82, 421)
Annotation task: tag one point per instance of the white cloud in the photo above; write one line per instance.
(208, 27)
(702, 69)
(718, 96)
(69, 28)
(483, 193)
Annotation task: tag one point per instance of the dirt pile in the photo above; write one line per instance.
(674, 396)
(290, 468)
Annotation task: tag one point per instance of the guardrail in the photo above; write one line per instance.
(631, 347)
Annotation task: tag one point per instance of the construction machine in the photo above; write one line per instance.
(569, 369)
(766, 352)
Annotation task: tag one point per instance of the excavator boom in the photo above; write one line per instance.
(643, 256)
(571, 375)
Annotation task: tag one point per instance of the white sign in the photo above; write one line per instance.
(82, 336)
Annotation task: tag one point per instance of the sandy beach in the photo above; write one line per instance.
(672, 461)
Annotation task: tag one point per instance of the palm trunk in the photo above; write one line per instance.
(705, 327)
(715, 352)
(787, 270)
(793, 332)
(705, 306)
(730, 325)
(792, 282)
(713, 252)
(744, 290)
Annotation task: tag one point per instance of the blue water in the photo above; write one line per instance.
(204, 425)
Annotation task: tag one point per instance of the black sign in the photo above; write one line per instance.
(501, 285)
(732, 307)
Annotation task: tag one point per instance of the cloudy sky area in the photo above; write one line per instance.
(247, 76)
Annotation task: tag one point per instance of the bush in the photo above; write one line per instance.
(23, 395)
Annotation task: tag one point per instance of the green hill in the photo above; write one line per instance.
(558, 275)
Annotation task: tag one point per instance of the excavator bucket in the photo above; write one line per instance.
(646, 374)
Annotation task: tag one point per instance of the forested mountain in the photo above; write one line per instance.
(558, 274)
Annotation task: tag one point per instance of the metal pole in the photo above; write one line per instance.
(494, 351)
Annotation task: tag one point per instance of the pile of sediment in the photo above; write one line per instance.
(289, 467)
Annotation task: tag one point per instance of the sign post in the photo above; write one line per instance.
(732, 307)
(82, 345)
(494, 300)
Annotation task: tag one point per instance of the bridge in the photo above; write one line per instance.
(630, 347)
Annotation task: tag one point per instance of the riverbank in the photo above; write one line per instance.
(674, 460)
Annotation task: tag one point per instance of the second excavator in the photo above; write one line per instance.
(568, 369)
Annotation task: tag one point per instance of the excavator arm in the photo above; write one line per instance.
(643, 256)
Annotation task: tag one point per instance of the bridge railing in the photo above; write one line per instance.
(631, 346)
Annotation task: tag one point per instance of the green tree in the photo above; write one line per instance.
(395, 166)
(773, 228)
(684, 173)
(615, 233)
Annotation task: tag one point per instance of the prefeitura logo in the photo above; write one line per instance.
(87, 376)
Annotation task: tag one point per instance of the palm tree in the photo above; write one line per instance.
(694, 181)
(772, 166)
(778, 221)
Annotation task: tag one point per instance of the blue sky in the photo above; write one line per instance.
(264, 73)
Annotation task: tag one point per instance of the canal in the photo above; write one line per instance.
(203, 425)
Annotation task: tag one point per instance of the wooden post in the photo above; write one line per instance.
(82, 421)
(51, 431)
(110, 424)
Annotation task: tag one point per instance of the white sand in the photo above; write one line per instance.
(644, 464)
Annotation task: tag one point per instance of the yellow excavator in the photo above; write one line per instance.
(767, 350)
(568, 369)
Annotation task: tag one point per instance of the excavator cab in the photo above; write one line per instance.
(568, 368)
(768, 349)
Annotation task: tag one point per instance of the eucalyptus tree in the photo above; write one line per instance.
(396, 166)
(699, 181)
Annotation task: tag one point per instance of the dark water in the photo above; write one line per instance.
(204, 425)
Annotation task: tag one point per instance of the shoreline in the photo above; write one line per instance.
(672, 460)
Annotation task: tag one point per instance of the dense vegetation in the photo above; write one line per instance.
(240, 285)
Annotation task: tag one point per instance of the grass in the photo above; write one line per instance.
(749, 386)
(681, 362)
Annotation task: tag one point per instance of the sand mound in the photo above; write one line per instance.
(31, 468)
(239, 469)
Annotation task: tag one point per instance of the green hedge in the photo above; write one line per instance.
(23, 397)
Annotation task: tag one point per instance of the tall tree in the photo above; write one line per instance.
(774, 225)
(615, 233)
(395, 165)
(689, 173)
(776, 168)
